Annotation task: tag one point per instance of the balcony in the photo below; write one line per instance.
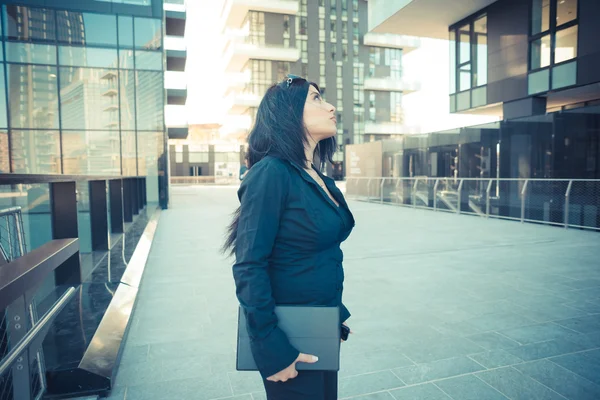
(389, 128)
(175, 83)
(176, 52)
(237, 80)
(406, 43)
(237, 102)
(238, 52)
(235, 11)
(391, 85)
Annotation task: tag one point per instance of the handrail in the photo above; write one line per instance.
(29, 270)
(35, 331)
(479, 179)
(7, 179)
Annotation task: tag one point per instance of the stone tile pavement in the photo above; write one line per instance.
(444, 307)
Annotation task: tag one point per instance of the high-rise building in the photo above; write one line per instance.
(84, 84)
(327, 41)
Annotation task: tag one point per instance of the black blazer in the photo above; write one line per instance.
(287, 252)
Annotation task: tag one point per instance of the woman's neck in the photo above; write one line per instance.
(309, 152)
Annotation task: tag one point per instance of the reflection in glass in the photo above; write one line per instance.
(34, 201)
(152, 60)
(149, 100)
(87, 57)
(4, 150)
(32, 95)
(30, 53)
(566, 44)
(125, 31)
(28, 24)
(481, 51)
(91, 152)
(540, 52)
(540, 16)
(126, 59)
(127, 93)
(129, 152)
(539, 81)
(89, 98)
(566, 11)
(86, 29)
(564, 75)
(151, 147)
(35, 151)
(148, 33)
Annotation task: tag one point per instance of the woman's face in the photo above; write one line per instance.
(319, 116)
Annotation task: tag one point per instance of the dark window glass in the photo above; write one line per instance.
(86, 28)
(151, 60)
(148, 33)
(35, 151)
(87, 57)
(149, 100)
(28, 24)
(89, 98)
(129, 152)
(127, 94)
(91, 152)
(540, 52)
(30, 53)
(125, 31)
(32, 95)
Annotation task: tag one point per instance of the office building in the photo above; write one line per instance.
(535, 64)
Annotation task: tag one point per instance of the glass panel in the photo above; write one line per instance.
(135, 2)
(89, 98)
(125, 31)
(149, 100)
(479, 97)
(91, 152)
(126, 59)
(35, 151)
(30, 53)
(4, 160)
(452, 43)
(453, 103)
(465, 44)
(87, 57)
(465, 77)
(539, 81)
(148, 33)
(34, 201)
(127, 94)
(129, 153)
(25, 23)
(481, 51)
(566, 11)
(566, 44)
(151, 146)
(84, 220)
(3, 111)
(32, 93)
(540, 16)
(86, 28)
(540, 52)
(564, 75)
(149, 60)
(463, 100)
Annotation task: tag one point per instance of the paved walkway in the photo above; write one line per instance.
(444, 307)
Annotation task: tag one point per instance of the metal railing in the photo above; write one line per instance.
(571, 203)
(205, 180)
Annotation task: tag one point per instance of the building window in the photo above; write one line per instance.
(257, 27)
(396, 114)
(344, 30)
(334, 6)
(333, 31)
(552, 45)
(355, 32)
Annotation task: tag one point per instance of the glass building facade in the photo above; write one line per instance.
(83, 91)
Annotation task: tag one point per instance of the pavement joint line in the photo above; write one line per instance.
(527, 376)
(503, 394)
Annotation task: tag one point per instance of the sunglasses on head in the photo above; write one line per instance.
(290, 78)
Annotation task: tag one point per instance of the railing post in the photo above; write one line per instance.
(435, 189)
(523, 195)
(413, 197)
(487, 199)
(567, 201)
(381, 191)
(460, 185)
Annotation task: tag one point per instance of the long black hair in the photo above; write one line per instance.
(279, 131)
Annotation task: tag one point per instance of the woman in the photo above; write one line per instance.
(286, 235)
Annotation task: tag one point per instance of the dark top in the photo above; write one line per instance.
(287, 252)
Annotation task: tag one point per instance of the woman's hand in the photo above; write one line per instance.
(290, 372)
(351, 331)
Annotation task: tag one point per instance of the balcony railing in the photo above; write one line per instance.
(406, 43)
(391, 84)
(234, 11)
(570, 203)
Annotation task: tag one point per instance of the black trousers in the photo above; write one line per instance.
(308, 385)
